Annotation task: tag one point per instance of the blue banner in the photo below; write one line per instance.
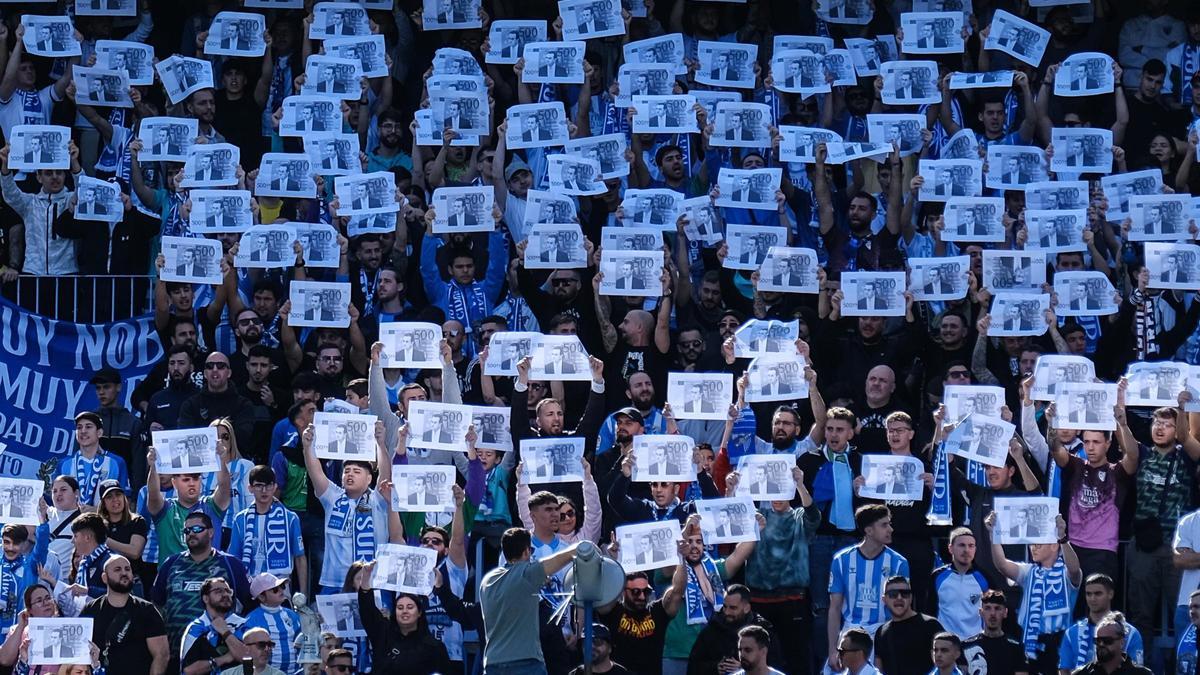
(45, 370)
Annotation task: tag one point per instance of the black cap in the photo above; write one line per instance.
(600, 632)
(91, 417)
(107, 486)
(106, 375)
(632, 413)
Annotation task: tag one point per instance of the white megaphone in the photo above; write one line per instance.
(594, 578)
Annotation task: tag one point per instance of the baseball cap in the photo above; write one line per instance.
(265, 582)
(600, 632)
(630, 412)
(514, 166)
(106, 375)
(106, 486)
(91, 417)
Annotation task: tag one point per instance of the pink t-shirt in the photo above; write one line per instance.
(1095, 494)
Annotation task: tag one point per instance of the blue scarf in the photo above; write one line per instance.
(700, 607)
(612, 122)
(273, 542)
(31, 106)
(1048, 605)
(281, 82)
(361, 526)
(1189, 64)
(8, 589)
(742, 440)
(87, 474)
(467, 304)
(834, 485)
(85, 564)
(685, 152)
(939, 502)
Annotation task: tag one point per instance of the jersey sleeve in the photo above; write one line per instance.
(837, 576)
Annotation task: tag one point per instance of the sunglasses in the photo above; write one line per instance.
(1106, 641)
(660, 484)
(639, 591)
(250, 322)
(264, 645)
(899, 593)
(566, 515)
(847, 650)
(958, 374)
(562, 282)
(433, 541)
(339, 667)
(216, 365)
(194, 529)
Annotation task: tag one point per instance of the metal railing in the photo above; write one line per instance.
(82, 299)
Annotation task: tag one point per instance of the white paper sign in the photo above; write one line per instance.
(1052, 370)
(648, 546)
(191, 260)
(1155, 384)
(552, 460)
(765, 337)
(776, 378)
(339, 615)
(438, 426)
(1020, 271)
(939, 279)
(344, 437)
(1019, 314)
(766, 477)
(422, 488)
(1086, 406)
(981, 438)
(559, 357)
(789, 270)
(60, 641)
(506, 349)
(404, 569)
(186, 451)
(892, 478)
(1085, 293)
(699, 396)
(1026, 520)
(962, 400)
(1017, 38)
(319, 303)
(19, 499)
(727, 520)
(663, 457)
(873, 293)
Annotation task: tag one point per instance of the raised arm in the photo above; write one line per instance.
(316, 475)
(1006, 567)
(821, 191)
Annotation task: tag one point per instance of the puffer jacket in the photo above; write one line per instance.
(46, 254)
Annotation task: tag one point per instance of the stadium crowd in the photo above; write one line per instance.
(224, 571)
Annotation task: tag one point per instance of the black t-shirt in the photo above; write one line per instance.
(121, 633)
(872, 434)
(904, 646)
(988, 655)
(638, 638)
(124, 531)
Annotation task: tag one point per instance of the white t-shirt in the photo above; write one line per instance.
(1187, 535)
(27, 106)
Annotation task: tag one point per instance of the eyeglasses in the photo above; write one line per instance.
(331, 359)
(639, 591)
(536, 385)
(660, 484)
(194, 529)
(261, 486)
(847, 650)
(958, 374)
(264, 645)
(446, 334)
(44, 600)
(433, 541)
(899, 593)
(691, 344)
(1106, 640)
(566, 515)
(216, 365)
(898, 430)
